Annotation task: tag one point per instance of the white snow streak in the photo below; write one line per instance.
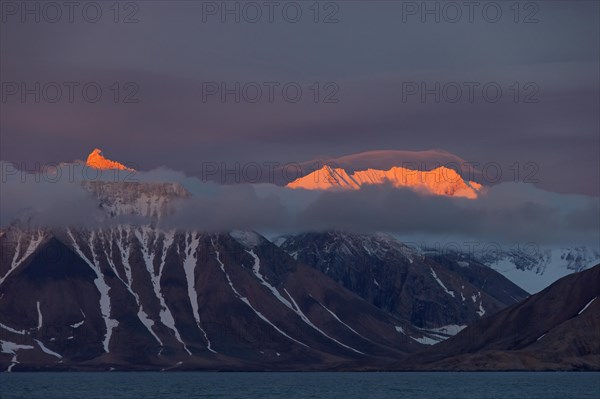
(78, 324)
(246, 301)
(166, 317)
(256, 270)
(46, 350)
(11, 347)
(481, 310)
(19, 257)
(474, 298)
(540, 337)
(125, 252)
(586, 306)
(12, 330)
(39, 316)
(451, 293)
(344, 324)
(293, 306)
(189, 265)
(102, 287)
(307, 321)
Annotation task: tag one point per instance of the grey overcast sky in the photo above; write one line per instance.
(379, 61)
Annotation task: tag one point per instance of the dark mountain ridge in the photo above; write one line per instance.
(556, 329)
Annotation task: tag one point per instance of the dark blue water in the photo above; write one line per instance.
(301, 385)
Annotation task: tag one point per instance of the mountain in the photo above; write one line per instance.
(97, 161)
(437, 295)
(439, 181)
(148, 199)
(556, 329)
(138, 297)
(386, 159)
(94, 299)
(535, 270)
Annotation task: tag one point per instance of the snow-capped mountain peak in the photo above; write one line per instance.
(97, 161)
(439, 181)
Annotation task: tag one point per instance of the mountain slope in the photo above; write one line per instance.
(556, 329)
(140, 298)
(431, 293)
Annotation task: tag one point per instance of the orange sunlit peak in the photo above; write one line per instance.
(440, 181)
(97, 161)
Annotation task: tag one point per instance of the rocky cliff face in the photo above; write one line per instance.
(432, 292)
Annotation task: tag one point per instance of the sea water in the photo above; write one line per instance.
(414, 385)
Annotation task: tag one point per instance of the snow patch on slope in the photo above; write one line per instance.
(12, 348)
(425, 340)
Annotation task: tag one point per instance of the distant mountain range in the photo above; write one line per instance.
(439, 181)
(531, 268)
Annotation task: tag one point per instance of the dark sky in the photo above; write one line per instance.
(373, 53)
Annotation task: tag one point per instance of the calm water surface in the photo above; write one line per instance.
(301, 385)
